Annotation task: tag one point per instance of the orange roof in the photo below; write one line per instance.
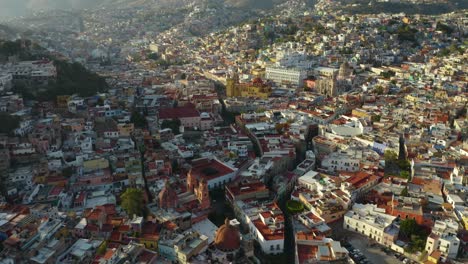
(209, 169)
(306, 252)
(115, 236)
(109, 254)
(250, 187)
(95, 214)
(124, 228)
(267, 233)
(308, 236)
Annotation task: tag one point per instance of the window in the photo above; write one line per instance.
(278, 247)
(272, 247)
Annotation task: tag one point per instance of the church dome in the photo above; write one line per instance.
(345, 70)
(227, 237)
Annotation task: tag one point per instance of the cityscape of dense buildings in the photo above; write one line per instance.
(298, 134)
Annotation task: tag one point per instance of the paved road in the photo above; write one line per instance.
(373, 254)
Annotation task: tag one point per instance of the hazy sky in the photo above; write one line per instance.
(10, 8)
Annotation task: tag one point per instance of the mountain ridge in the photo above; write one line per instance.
(12, 8)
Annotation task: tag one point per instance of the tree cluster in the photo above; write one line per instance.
(388, 74)
(173, 124)
(24, 50)
(9, 123)
(452, 49)
(400, 167)
(138, 120)
(414, 233)
(406, 33)
(133, 202)
(444, 28)
(73, 78)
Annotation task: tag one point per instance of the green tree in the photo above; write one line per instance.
(405, 192)
(138, 120)
(173, 124)
(9, 123)
(390, 156)
(379, 90)
(414, 233)
(404, 174)
(444, 28)
(464, 133)
(388, 74)
(408, 227)
(153, 56)
(67, 172)
(375, 118)
(175, 165)
(133, 202)
(102, 249)
(72, 78)
(100, 101)
(406, 33)
(404, 165)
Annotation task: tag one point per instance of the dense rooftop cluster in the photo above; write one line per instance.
(275, 139)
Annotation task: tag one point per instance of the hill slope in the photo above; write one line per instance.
(10, 8)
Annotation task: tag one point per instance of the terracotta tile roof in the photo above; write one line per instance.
(56, 191)
(209, 169)
(146, 256)
(95, 214)
(251, 187)
(267, 233)
(178, 112)
(92, 228)
(306, 252)
(116, 236)
(124, 228)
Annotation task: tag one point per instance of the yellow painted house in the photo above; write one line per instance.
(465, 221)
(96, 164)
(150, 241)
(360, 113)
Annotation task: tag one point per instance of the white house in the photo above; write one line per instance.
(370, 221)
(444, 238)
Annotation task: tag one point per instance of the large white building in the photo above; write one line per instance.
(444, 238)
(37, 71)
(282, 75)
(341, 161)
(268, 229)
(372, 222)
(347, 127)
(264, 221)
(291, 58)
(5, 81)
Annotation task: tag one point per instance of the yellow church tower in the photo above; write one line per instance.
(231, 86)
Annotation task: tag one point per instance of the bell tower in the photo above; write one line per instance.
(191, 181)
(203, 194)
(231, 85)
